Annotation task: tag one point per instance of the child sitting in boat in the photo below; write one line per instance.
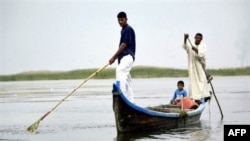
(181, 99)
(179, 93)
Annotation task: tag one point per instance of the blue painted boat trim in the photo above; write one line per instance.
(117, 91)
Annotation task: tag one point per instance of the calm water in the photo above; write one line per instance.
(87, 114)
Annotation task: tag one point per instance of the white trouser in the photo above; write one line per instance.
(123, 75)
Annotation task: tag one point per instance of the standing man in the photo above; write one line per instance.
(198, 87)
(125, 55)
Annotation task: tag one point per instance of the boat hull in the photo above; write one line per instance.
(133, 118)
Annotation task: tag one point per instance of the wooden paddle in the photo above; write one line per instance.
(35, 125)
(212, 88)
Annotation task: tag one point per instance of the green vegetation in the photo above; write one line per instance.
(137, 72)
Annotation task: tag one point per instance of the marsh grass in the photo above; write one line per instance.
(136, 72)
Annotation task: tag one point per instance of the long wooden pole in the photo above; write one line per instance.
(35, 125)
(216, 99)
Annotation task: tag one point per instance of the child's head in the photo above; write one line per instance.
(180, 84)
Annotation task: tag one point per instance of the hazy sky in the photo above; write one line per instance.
(77, 34)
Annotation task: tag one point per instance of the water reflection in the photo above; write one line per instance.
(179, 133)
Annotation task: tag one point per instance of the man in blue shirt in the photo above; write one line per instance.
(179, 93)
(125, 55)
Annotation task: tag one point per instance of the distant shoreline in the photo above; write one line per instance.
(136, 72)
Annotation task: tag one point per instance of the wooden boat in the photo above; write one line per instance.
(130, 117)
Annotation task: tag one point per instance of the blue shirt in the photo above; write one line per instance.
(178, 94)
(128, 37)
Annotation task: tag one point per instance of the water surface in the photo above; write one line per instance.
(87, 114)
